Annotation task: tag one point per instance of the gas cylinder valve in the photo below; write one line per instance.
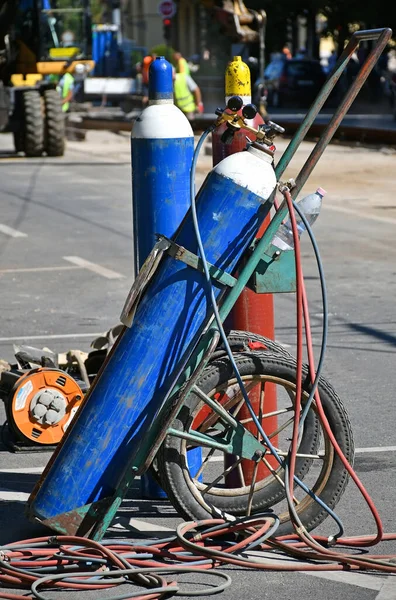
(265, 134)
(270, 131)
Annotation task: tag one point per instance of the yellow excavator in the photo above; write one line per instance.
(40, 41)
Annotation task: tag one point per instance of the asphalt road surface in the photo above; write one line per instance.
(66, 267)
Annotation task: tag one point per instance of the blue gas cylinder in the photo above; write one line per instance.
(126, 396)
(162, 147)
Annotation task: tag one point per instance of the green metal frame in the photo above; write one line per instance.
(266, 270)
(239, 441)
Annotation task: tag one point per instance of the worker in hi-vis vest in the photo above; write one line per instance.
(181, 64)
(66, 86)
(187, 95)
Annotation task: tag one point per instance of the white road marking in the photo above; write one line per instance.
(86, 264)
(35, 470)
(62, 336)
(10, 495)
(375, 449)
(11, 232)
(123, 523)
(369, 582)
(39, 269)
(388, 589)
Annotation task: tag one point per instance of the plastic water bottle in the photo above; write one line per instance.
(310, 206)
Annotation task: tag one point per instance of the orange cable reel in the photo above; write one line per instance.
(42, 405)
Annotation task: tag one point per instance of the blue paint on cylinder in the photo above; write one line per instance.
(161, 189)
(150, 489)
(127, 395)
(160, 79)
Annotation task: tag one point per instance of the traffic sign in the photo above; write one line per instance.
(167, 9)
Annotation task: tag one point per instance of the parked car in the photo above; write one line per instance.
(293, 82)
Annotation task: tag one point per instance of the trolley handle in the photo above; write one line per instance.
(382, 37)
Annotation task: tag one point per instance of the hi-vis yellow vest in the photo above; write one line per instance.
(66, 81)
(184, 99)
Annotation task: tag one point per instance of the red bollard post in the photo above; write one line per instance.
(252, 312)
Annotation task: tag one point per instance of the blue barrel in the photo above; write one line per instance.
(125, 398)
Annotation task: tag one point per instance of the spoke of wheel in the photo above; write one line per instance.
(276, 413)
(244, 421)
(281, 428)
(250, 419)
(275, 474)
(298, 455)
(205, 462)
(248, 387)
(239, 406)
(225, 472)
(251, 491)
(261, 407)
(227, 406)
(241, 475)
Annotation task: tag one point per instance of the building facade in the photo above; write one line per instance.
(142, 23)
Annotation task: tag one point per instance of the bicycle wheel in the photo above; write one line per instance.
(212, 489)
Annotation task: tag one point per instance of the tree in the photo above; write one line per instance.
(345, 17)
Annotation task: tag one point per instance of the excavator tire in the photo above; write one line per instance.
(33, 123)
(54, 124)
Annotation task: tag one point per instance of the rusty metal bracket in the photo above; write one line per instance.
(142, 280)
(165, 246)
(192, 260)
